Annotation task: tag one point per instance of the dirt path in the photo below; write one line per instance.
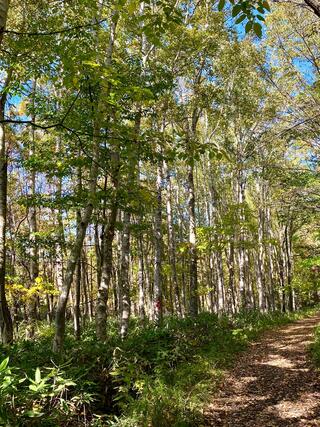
(272, 384)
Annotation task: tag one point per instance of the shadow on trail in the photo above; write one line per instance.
(272, 384)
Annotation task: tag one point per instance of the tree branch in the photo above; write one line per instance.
(51, 33)
(314, 5)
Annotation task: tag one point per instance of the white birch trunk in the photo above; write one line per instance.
(157, 283)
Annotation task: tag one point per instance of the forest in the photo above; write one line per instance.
(159, 204)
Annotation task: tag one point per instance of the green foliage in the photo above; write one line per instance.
(252, 11)
(44, 398)
(315, 347)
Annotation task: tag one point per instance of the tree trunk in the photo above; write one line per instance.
(124, 277)
(59, 273)
(241, 237)
(157, 284)
(107, 254)
(288, 252)
(77, 296)
(84, 276)
(6, 327)
(141, 284)
(270, 262)
(220, 282)
(193, 268)
(34, 257)
(77, 290)
(260, 262)
(260, 253)
(231, 280)
(282, 279)
(106, 272)
(314, 6)
(172, 242)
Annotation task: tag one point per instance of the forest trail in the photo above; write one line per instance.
(272, 384)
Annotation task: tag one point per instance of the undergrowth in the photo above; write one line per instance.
(315, 347)
(159, 376)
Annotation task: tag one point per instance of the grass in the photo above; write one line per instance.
(159, 376)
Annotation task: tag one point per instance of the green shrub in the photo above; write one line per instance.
(41, 400)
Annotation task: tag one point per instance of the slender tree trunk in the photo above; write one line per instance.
(282, 279)
(125, 303)
(34, 256)
(77, 290)
(124, 279)
(60, 242)
(259, 271)
(193, 255)
(220, 282)
(98, 250)
(260, 253)
(288, 250)
(157, 284)
(270, 262)
(141, 284)
(77, 296)
(89, 280)
(211, 281)
(107, 254)
(231, 280)
(172, 241)
(106, 272)
(241, 237)
(6, 327)
(59, 273)
(251, 303)
(193, 273)
(84, 275)
(183, 263)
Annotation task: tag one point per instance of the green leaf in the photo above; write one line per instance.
(257, 29)
(236, 10)
(115, 17)
(261, 18)
(37, 376)
(132, 7)
(91, 63)
(4, 364)
(266, 5)
(221, 5)
(33, 414)
(248, 27)
(70, 383)
(242, 18)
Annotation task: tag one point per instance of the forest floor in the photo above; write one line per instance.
(273, 383)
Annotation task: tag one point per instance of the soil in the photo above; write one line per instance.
(273, 383)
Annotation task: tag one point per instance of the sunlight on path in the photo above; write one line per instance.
(272, 384)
